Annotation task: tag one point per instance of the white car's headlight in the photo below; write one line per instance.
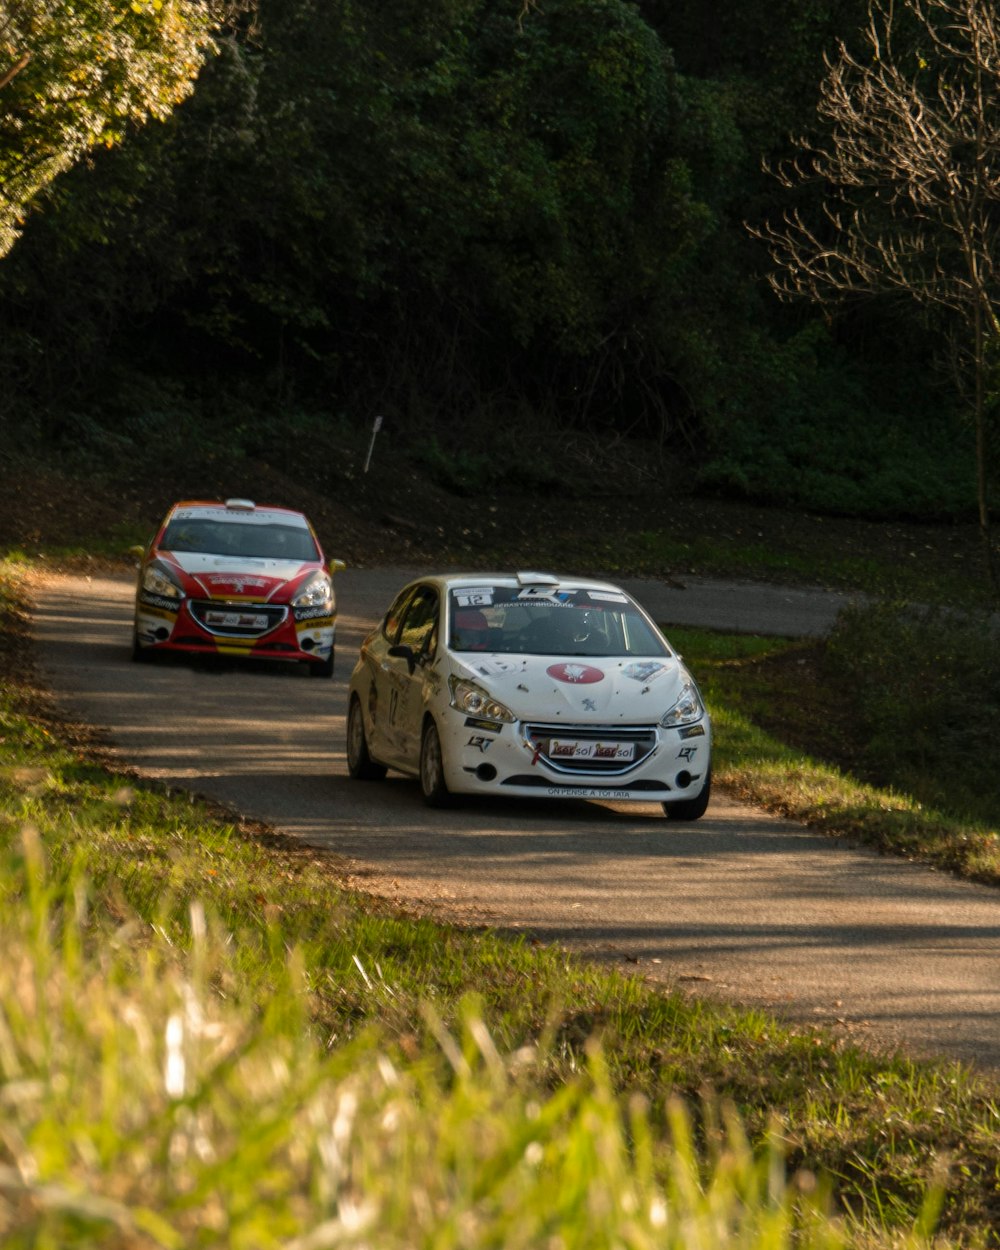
(316, 593)
(473, 700)
(157, 580)
(686, 710)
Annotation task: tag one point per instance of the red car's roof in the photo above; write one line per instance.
(222, 504)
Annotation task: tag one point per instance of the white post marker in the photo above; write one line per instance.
(376, 426)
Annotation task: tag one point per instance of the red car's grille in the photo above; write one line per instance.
(237, 620)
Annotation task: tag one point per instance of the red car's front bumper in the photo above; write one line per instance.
(247, 629)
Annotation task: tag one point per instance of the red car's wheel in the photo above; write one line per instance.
(322, 668)
(140, 654)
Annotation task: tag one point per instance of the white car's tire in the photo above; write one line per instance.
(690, 809)
(360, 764)
(432, 780)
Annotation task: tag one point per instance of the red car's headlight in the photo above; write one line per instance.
(158, 580)
(316, 593)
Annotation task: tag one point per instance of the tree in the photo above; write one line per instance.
(73, 76)
(444, 200)
(911, 175)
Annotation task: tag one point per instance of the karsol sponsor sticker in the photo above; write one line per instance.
(574, 750)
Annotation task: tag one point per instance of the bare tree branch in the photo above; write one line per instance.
(909, 174)
(14, 70)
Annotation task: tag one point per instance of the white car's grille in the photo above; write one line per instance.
(590, 750)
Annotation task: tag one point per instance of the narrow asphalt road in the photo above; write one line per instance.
(740, 906)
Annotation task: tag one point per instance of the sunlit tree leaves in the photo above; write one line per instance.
(74, 74)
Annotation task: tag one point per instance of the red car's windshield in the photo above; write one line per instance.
(253, 540)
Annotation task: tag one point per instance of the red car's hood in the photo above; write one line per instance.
(236, 577)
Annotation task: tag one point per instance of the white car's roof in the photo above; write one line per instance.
(449, 581)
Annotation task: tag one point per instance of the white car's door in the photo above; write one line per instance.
(383, 694)
(419, 635)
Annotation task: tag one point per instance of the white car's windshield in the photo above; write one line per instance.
(271, 541)
(549, 621)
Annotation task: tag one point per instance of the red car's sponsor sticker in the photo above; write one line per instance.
(237, 620)
(575, 674)
(239, 582)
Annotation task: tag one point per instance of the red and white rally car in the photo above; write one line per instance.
(236, 579)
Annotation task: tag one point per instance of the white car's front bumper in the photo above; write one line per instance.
(483, 757)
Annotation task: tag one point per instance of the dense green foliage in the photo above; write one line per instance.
(475, 217)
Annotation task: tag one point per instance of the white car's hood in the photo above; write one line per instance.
(578, 689)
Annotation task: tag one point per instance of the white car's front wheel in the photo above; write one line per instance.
(690, 809)
(432, 783)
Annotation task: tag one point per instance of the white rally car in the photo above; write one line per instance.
(238, 579)
(531, 685)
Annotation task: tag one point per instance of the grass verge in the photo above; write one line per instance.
(206, 1040)
(751, 681)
